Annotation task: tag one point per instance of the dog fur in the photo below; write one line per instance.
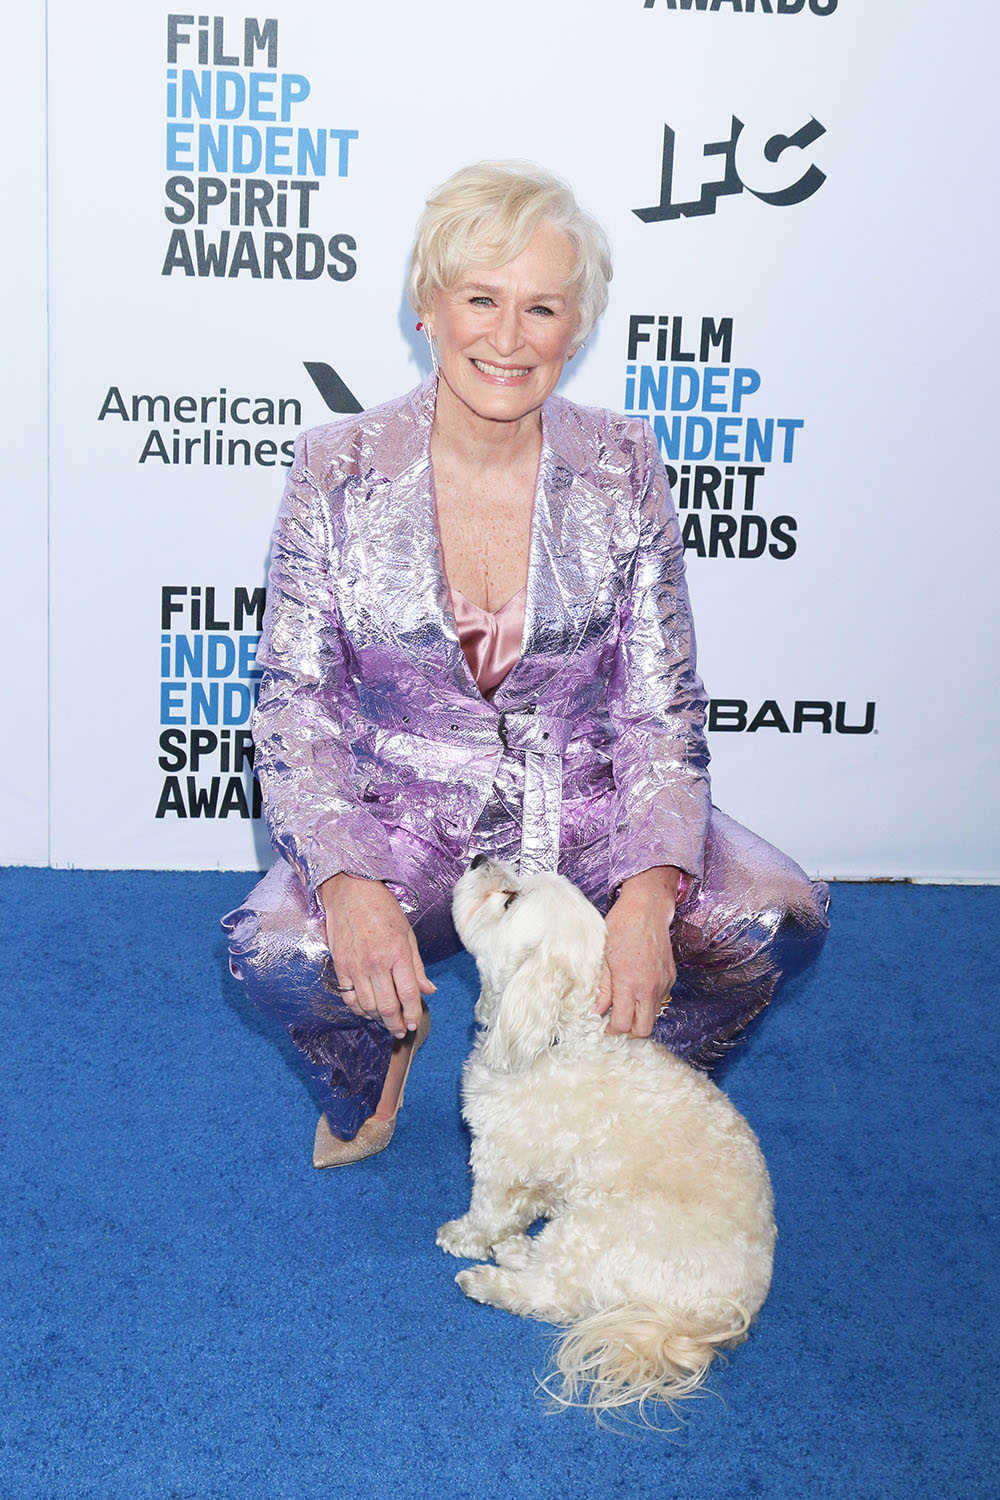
(660, 1233)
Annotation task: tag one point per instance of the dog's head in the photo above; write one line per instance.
(539, 944)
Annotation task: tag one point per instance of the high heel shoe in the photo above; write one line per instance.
(330, 1151)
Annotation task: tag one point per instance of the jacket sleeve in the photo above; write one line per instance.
(308, 707)
(656, 700)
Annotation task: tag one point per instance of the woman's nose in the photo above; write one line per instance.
(506, 332)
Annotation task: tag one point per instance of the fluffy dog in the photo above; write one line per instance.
(660, 1232)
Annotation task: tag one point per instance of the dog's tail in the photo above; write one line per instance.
(639, 1354)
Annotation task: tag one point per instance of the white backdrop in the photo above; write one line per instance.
(24, 720)
(808, 296)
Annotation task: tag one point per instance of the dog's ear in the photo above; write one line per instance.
(487, 1002)
(524, 1023)
(540, 1003)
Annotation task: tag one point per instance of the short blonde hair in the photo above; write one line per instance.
(486, 214)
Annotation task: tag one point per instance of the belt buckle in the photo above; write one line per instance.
(529, 708)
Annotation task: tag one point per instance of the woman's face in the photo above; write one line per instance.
(504, 333)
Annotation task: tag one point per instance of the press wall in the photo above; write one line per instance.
(211, 221)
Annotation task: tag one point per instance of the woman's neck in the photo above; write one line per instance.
(469, 439)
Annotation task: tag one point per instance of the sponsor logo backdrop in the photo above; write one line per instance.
(801, 309)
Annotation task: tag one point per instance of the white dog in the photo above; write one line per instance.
(660, 1232)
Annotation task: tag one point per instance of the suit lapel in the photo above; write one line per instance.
(395, 517)
(570, 536)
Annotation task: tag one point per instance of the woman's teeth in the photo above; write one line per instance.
(498, 371)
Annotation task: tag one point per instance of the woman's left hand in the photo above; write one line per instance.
(639, 969)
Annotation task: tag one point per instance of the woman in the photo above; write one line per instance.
(478, 640)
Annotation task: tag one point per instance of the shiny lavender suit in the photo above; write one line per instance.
(379, 756)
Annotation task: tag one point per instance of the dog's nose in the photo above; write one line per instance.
(479, 859)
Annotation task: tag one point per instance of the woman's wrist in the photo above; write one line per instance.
(335, 885)
(658, 880)
(661, 884)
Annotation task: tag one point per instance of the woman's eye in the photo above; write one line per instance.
(545, 311)
(481, 301)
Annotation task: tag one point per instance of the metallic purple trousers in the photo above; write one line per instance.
(752, 921)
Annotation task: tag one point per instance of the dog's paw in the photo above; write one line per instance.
(477, 1282)
(515, 1252)
(460, 1237)
(493, 1285)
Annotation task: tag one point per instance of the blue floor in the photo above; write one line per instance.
(189, 1310)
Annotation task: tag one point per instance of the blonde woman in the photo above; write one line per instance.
(478, 640)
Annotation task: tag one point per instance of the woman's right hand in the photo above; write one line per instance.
(373, 948)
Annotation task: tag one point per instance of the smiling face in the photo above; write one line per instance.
(504, 333)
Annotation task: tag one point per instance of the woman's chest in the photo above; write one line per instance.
(390, 582)
(485, 539)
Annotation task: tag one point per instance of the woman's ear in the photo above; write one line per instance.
(426, 315)
(429, 336)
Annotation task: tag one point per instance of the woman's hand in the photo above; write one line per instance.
(374, 950)
(639, 969)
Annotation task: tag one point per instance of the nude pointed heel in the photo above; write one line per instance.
(330, 1151)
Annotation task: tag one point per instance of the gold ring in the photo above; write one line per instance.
(664, 1006)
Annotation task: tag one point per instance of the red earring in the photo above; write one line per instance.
(419, 326)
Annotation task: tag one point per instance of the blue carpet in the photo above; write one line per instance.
(190, 1311)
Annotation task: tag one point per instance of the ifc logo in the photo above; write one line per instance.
(768, 166)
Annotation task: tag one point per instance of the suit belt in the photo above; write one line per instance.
(540, 736)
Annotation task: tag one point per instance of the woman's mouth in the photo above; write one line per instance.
(501, 372)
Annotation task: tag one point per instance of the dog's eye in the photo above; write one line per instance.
(511, 896)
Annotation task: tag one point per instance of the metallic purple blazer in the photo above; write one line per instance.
(376, 751)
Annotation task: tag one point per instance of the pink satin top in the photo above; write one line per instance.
(491, 640)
